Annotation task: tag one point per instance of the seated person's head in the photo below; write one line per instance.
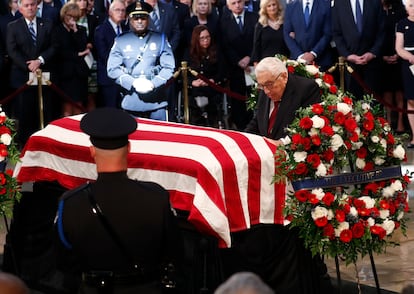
(244, 283)
(10, 284)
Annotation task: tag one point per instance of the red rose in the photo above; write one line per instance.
(316, 140)
(2, 119)
(314, 160)
(327, 130)
(339, 118)
(296, 139)
(306, 142)
(368, 125)
(347, 100)
(329, 231)
(368, 166)
(312, 198)
(3, 150)
(2, 179)
(370, 187)
(350, 124)
(382, 121)
(397, 225)
(358, 230)
(306, 123)
(379, 231)
(390, 139)
(4, 130)
(364, 211)
(384, 204)
(301, 169)
(328, 155)
(317, 108)
(327, 78)
(3, 191)
(361, 152)
(375, 212)
(340, 215)
(333, 89)
(328, 198)
(346, 236)
(291, 69)
(321, 221)
(359, 203)
(302, 195)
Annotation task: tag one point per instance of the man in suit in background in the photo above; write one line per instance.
(47, 11)
(358, 33)
(307, 31)
(31, 45)
(237, 31)
(112, 27)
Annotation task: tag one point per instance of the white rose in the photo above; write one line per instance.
(336, 128)
(384, 213)
(5, 139)
(318, 122)
(342, 226)
(383, 143)
(319, 212)
(353, 211)
(319, 82)
(2, 113)
(357, 145)
(357, 117)
(330, 214)
(336, 142)
(360, 163)
(313, 70)
(286, 140)
(388, 192)
(399, 152)
(371, 221)
(387, 128)
(344, 108)
(300, 156)
(400, 216)
(369, 202)
(379, 160)
(319, 193)
(313, 131)
(388, 226)
(397, 185)
(365, 106)
(295, 63)
(375, 139)
(321, 170)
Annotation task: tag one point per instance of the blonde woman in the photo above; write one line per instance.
(268, 34)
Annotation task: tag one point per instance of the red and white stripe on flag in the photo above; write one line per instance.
(222, 178)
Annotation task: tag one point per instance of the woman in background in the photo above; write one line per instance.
(268, 34)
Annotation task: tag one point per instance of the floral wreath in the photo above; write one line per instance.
(9, 154)
(337, 139)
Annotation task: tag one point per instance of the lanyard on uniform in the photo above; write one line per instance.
(139, 57)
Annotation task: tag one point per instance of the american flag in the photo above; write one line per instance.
(222, 178)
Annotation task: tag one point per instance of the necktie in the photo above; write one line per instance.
(272, 117)
(32, 32)
(307, 13)
(118, 30)
(155, 20)
(358, 16)
(239, 20)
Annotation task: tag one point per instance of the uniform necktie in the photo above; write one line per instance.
(118, 30)
(272, 117)
(239, 20)
(155, 20)
(307, 13)
(358, 16)
(32, 32)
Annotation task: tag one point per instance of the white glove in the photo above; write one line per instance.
(142, 85)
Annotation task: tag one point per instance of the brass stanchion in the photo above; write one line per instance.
(184, 72)
(40, 98)
(341, 65)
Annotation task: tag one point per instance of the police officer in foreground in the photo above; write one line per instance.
(119, 231)
(142, 62)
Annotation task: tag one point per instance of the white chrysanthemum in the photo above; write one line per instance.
(379, 160)
(344, 108)
(388, 226)
(336, 142)
(388, 192)
(360, 163)
(353, 211)
(300, 156)
(365, 106)
(313, 131)
(5, 139)
(369, 202)
(319, 193)
(357, 117)
(313, 70)
(384, 213)
(371, 221)
(319, 212)
(321, 170)
(397, 185)
(357, 145)
(286, 140)
(387, 128)
(342, 226)
(399, 152)
(330, 214)
(383, 143)
(318, 122)
(375, 139)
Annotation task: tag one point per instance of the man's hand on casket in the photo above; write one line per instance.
(142, 85)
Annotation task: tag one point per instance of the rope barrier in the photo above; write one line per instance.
(6, 100)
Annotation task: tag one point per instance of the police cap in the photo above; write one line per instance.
(108, 128)
(138, 8)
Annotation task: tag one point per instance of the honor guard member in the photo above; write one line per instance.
(142, 61)
(118, 231)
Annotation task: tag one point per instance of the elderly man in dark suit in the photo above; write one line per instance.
(31, 45)
(237, 31)
(358, 32)
(112, 27)
(307, 31)
(275, 252)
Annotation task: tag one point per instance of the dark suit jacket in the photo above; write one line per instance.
(104, 39)
(299, 92)
(21, 48)
(51, 13)
(345, 34)
(169, 24)
(314, 37)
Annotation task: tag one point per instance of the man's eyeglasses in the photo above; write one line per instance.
(119, 10)
(269, 84)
